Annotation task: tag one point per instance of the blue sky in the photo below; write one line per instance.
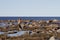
(29, 7)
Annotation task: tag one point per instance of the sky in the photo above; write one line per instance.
(29, 7)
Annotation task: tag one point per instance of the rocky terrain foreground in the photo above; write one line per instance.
(30, 29)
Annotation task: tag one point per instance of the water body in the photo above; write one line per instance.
(29, 18)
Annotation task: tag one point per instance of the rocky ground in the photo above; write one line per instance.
(29, 29)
